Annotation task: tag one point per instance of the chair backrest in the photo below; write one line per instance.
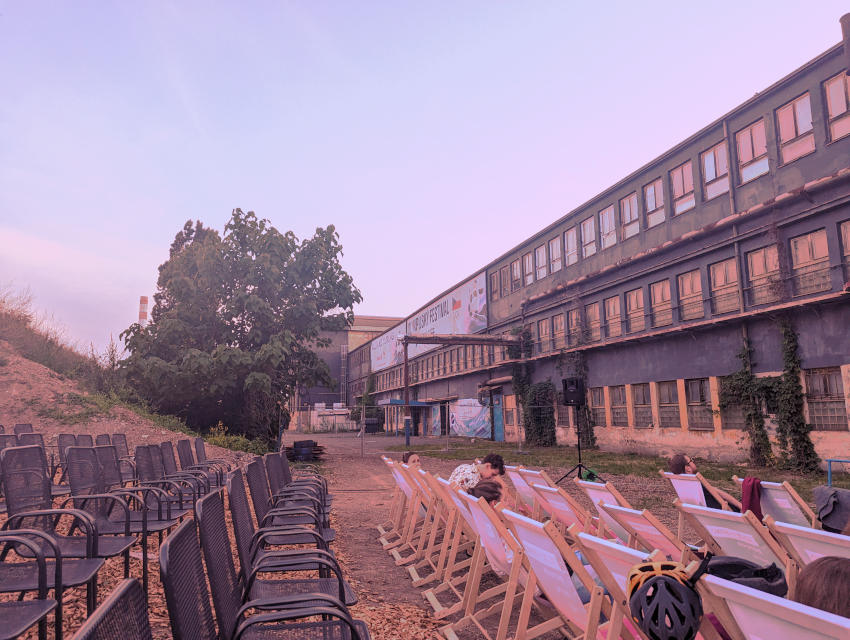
(182, 573)
(144, 464)
(687, 486)
(274, 469)
(499, 544)
(64, 441)
(119, 440)
(124, 614)
(29, 438)
(156, 459)
(84, 440)
(85, 475)
(218, 557)
(605, 492)
(26, 483)
(184, 453)
(460, 505)
(287, 472)
(24, 427)
(169, 463)
(102, 439)
(805, 544)
(763, 615)
(200, 450)
(560, 506)
(240, 514)
(779, 501)
(611, 561)
(523, 490)
(107, 456)
(649, 532)
(259, 486)
(400, 480)
(8, 440)
(535, 476)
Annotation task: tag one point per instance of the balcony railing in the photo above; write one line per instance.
(764, 290)
(691, 308)
(811, 278)
(725, 300)
(635, 321)
(594, 331)
(662, 315)
(613, 327)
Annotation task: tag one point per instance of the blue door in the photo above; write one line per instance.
(498, 418)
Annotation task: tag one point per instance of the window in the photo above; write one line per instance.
(558, 336)
(613, 326)
(653, 202)
(543, 336)
(690, 295)
(810, 263)
(795, 129)
(588, 238)
(662, 312)
(699, 404)
(764, 284)
(516, 275)
(724, 286)
(574, 325)
(540, 261)
(752, 151)
(642, 406)
(629, 223)
(668, 405)
(845, 248)
(505, 273)
(837, 91)
(528, 268)
(715, 171)
(555, 254)
(591, 312)
(682, 182)
(825, 397)
(494, 286)
(597, 407)
(619, 413)
(607, 230)
(571, 246)
(634, 311)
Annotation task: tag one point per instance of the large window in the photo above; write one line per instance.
(594, 328)
(588, 237)
(505, 276)
(634, 311)
(764, 284)
(558, 335)
(544, 337)
(690, 295)
(660, 307)
(653, 202)
(724, 286)
(668, 405)
(715, 171)
(571, 246)
(837, 91)
(810, 263)
(613, 325)
(516, 275)
(629, 223)
(795, 129)
(597, 407)
(574, 325)
(825, 397)
(752, 151)
(699, 405)
(528, 268)
(607, 229)
(619, 413)
(555, 255)
(494, 286)
(642, 406)
(682, 183)
(540, 261)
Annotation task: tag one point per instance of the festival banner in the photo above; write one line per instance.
(469, 418)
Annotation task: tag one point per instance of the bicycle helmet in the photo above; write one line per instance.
(663, 602)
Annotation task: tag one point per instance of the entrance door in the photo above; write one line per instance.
(444, 418)
(497, 416)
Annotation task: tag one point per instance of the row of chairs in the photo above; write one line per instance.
(21, 427)
(432, 524)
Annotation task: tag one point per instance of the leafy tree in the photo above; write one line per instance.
(236, 321)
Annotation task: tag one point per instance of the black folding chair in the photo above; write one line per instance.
(124, 614)
(119, 441)
(23, 427)
(169, 464)
(17, 617)
(201, 455)
(84, 440)
(102, 439)
(177, 504)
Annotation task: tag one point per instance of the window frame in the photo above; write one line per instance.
(555, 261)
(528, 268)
(660, 309)
(505, 280)
(841, 119)
(633, 312)
(797, 145)
(540, 270)
(629, 227)
(588, 246)
(687, 200)
(730, 284)
(544, 335)
(594, 321)
(718, 183)
(752, 159)
(571, 256)
(613, 321)
(516, 275)
(688, 277)
(652, 215)
(495, 285)
(559, 336)
(607, 236)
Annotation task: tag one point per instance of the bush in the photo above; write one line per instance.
(219, 437)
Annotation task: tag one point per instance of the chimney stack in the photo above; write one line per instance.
(143, 310)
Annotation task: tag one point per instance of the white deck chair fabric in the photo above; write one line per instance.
(533, 476)
(498, 554)
(762, 616)
(776, 502)
(557, 507)
(807, 545)
(522, 488)
(645, 529)
(615, 558)
(688, 487)
(400, 480)
(598, 492)
(460, 504)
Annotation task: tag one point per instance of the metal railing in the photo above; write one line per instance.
(811, 278)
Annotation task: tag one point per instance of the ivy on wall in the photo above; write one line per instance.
(521, 371)
(540, 426)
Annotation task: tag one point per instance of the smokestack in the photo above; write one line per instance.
(845, 34)
(143, 310)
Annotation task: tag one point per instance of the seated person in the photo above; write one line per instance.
(825, 584)
(467, 476)
(683, 463)
(411, 459)
(490, 490)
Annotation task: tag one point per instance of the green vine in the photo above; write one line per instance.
(521, 371)
(540, 427)
(792, 431)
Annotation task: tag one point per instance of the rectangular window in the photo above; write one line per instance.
(653, 202)
(764, 284)
(642, 405)
(505, 276)
(699, 405)
(660, 307)
(607, 229)
(715, 171)
(634, 310)
(668, 404)
(629, 223)
(528, 268)
(690, 295)
(540, 261)
(845, 248)
(825, 397)
(574, 325)
(494, 286)
(555, 254)
(516, 275)
(543, 336)
(597, 407)
(619, 413)
(837, 91)
(752, 151)
(682, 184)
(810, 263)
(571, 246)
(588, 237)
(558, 335)
(613, 325)
(594, 329)
(795, 129)
(724, 286)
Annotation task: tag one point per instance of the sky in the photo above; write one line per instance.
(434, 135)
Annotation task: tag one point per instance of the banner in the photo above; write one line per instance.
(435, 420)
(387, 350)
(469, 418)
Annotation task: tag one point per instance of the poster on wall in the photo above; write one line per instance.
(469, 418)
(435, 420)
(386, 350)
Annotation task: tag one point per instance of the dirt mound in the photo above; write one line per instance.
(53, 404)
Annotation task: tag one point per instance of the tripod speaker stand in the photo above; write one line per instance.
(574, 397)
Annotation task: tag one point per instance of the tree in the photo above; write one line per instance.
(236, 321)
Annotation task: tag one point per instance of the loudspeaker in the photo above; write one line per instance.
(573, 391)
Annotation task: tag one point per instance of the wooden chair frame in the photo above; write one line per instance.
(779, 492)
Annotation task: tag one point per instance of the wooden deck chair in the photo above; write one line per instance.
(740, 535)
(780, 501)
(418, 517)
(396, 506)
(435, 555)
(527, 497)
(506, 558)
(607, 493)
(563, 508)
(433, 529)
(394, 533)
(805, 544)
(749, 613)
(462, 549)
(689, 489)
(553, 568)
(648, 532)
(414, 511)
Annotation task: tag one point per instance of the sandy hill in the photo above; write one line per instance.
(30, 392)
